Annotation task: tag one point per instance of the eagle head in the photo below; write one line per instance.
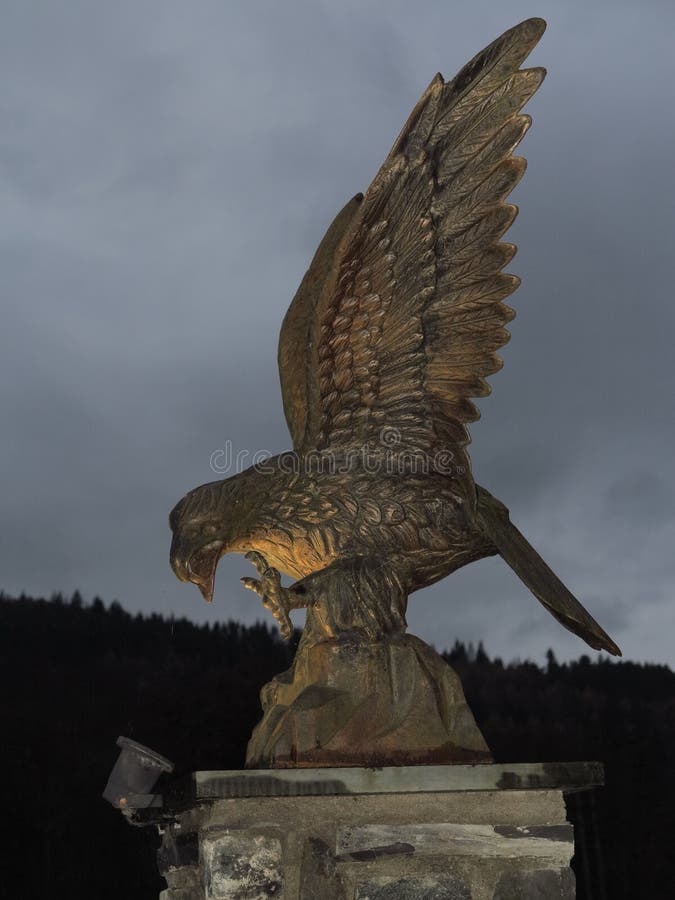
(200, 535)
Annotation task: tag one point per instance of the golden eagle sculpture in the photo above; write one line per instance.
(393, 330)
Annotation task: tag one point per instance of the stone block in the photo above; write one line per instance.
(406, 780)
(195, 893)
(442, 887)
(241, 866)
(538, 884)
(318, 873)
(177, 851)
(183, 883)
(550, 842)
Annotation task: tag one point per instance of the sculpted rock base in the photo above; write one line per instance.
(351, 702)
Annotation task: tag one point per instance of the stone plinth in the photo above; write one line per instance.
(484, 832)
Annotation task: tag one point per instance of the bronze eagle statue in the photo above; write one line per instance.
(393, 330)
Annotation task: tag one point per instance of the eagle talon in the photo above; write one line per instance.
(274, 595)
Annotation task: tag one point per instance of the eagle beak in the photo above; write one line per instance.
(206, 588)
(200, 568)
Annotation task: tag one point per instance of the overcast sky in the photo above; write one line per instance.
(166, 171)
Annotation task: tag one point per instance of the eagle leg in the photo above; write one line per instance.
(275, 597)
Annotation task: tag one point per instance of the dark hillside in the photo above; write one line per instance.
(74, 676)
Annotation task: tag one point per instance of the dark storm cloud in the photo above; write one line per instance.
(166, 171)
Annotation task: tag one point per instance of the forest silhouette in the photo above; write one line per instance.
(74, 676)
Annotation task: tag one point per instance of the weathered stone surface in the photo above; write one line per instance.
(392, 780)
(538, 884)
(184, 883)
(354, 702)
(551, 842)
(444, 887)
(241, 866)
(315, 836)
(318, 873)
(178, 850)
(193, 893)
(186, 876)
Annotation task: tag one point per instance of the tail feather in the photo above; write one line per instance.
(493, 519)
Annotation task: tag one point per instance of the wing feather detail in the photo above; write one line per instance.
(296, 362)
(406, 322)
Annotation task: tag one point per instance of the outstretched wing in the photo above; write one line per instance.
(297, 329)
(402, 310)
